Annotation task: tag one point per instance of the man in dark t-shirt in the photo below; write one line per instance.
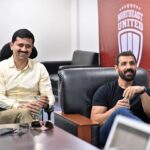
(122, 96)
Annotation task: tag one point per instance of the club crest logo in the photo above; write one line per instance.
(130, 30)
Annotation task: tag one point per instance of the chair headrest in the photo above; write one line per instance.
(81, 57)
(6, 52)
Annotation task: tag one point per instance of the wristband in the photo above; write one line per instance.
(143, 91)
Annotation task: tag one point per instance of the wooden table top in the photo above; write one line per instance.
(42, 139)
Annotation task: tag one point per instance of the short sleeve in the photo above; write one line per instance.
(100, 96)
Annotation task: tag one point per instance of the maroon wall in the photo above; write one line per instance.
(126, 22)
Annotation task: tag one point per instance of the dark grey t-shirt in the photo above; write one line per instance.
(108, 95)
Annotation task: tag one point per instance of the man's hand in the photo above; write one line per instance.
(130, 91)
(33, 106)
(44, 101)
(122, 103)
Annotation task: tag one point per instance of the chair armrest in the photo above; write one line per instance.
(76, 66)
(83, 124)
(77, 119)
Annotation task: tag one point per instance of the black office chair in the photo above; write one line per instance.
(77, 86)
(80, 58)
(6, 52)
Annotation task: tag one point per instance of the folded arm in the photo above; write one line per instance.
(143, 93)
(101, 113)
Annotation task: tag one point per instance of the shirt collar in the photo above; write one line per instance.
(12, 63)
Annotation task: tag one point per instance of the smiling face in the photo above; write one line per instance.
(126, 68)
(22, 48)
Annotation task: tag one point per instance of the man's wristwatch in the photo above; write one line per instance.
(144, 90)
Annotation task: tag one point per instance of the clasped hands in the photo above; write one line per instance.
(128, 94)
(35, 106)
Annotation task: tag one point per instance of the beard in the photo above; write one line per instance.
(127, 75)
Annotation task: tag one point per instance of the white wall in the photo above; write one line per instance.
(49, 20)
(88, 32)
(59, 26)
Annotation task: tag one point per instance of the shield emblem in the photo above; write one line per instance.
(131, 39)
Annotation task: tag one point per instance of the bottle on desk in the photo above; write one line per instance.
(39, 116)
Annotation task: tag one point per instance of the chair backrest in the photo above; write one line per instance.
(84, 58)
(6, 52)
(77, 86)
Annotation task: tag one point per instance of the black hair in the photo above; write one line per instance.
(125, 53)
(23, 33)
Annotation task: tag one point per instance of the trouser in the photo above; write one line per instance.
(105, 128)
(15, 116)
